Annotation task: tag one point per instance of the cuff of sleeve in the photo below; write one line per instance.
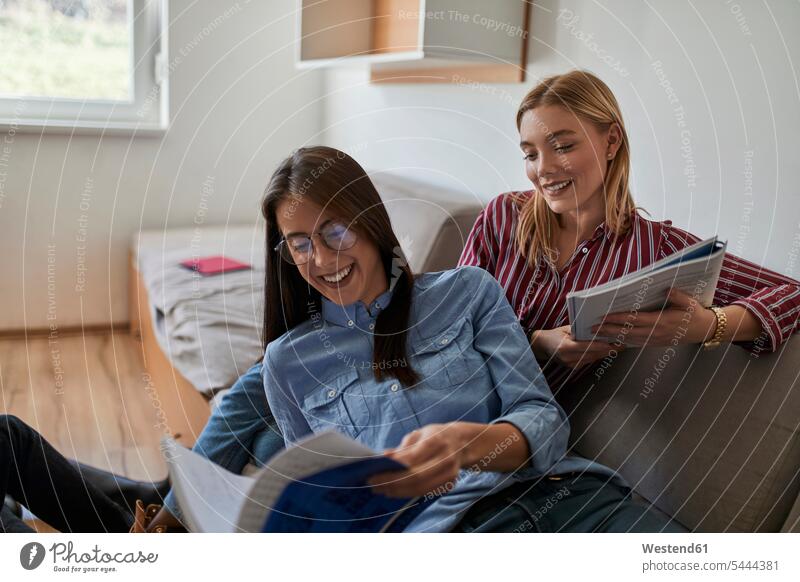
(769, 340)
(545, 447)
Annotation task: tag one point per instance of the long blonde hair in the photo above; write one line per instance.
(588, 98)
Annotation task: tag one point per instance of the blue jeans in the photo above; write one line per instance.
(241, 429)
(584, 503)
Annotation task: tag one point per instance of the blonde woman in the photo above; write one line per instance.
(579, 227)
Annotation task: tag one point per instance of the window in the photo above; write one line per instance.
(86, 64)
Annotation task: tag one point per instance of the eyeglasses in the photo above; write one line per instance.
(299, 248)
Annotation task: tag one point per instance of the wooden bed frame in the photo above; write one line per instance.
(182, 410)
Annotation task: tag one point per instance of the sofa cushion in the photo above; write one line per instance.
(710, 437)
(431, 222)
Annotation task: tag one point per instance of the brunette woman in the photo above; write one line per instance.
(434, 369)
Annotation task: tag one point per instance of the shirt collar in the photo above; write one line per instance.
(601, 230)
(357, 314)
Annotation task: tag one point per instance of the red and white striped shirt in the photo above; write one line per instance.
(538, 294)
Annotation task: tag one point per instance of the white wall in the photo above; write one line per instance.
(732, 67)
(228, 131)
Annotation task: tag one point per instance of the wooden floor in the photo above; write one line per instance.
(89, 396)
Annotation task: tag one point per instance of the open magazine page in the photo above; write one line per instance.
(339, 500)
(209, 496)
(308, 456)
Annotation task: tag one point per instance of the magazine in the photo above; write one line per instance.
(317, 485)
(694, 270)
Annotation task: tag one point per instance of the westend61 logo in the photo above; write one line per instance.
(66, 559)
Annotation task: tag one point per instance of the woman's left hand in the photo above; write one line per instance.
(684, 321)
(433, 454)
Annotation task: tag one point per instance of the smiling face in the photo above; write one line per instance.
(345, 276)
(566, 158)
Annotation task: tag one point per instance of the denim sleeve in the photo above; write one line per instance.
(240, 429)
(526, 399)
(282, 402)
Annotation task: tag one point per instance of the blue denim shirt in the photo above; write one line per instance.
(240, 430)
(475, 365)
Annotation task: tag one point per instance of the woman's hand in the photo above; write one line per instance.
(558, 344)
(684, 321)
(434, 455)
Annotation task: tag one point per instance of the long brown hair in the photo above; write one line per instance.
(333, 180)
(590, 99)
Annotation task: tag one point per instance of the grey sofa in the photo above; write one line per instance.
(708, 437)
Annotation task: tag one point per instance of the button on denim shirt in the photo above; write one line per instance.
(474, 364)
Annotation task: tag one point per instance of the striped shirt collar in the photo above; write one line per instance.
(602, 228)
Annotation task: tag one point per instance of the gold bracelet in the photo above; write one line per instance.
(722, 323)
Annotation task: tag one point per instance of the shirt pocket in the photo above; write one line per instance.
(337, 404)
(442, 360)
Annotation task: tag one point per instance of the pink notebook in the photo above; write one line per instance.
(207, 266)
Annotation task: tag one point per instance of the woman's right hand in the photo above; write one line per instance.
(557, 344)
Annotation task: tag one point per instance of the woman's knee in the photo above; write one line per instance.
(13, 428)
(634, 517)
(9, 422)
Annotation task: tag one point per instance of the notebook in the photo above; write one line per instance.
(215, 265)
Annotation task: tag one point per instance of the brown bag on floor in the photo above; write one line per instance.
(143, 516)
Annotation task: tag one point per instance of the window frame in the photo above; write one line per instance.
(147, 110)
